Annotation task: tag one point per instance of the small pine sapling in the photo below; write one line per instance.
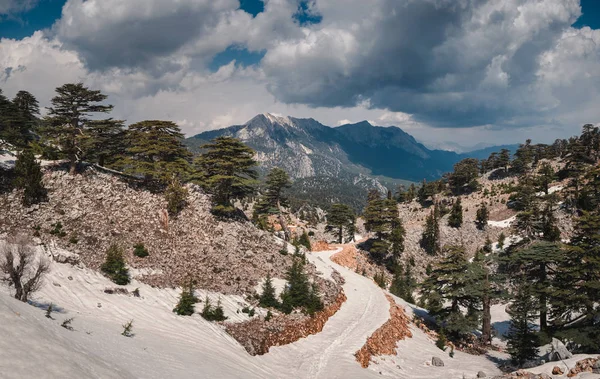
(114, 266)
(441, 341)
(49, 311)
(127, 329)
(67, 323)
(140, 251)
(187, 299)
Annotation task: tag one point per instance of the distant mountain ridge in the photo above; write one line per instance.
(357, 154)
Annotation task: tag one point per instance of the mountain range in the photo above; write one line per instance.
(332, 160)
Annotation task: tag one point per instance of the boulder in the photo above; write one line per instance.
(437, 362)
(557, 371)
(481, 374)
(558, 351)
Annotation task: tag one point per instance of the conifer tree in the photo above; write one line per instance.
(106, 143)
(546, 177)
(29, 178)
(455, 219)
(272, 202)
(403, 283)
(227, 170)
(577, 299)
(187, 299)
(537, 263)
(114, 266)
(267, 297)
(503, 159)
(457, 285)
(397, 237)
(156, 151)
(482, 216)
(304, 240)
(430, 240)
(522, 340)
(341, 219)
(464, 176)
(68, 120)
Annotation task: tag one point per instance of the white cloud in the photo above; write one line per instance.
(8, 7)
(513, 69)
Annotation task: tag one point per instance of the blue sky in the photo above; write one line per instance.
(435, 70)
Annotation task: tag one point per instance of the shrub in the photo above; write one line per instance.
(269, 316)
(187, 299)
(140, 251)
(283, 251)
(211, 313)
(379, 278)
(441, 341)
(249, 311)
(57, 229)
(114, 266)
(176, 196)
(29, 178)
(73, 240)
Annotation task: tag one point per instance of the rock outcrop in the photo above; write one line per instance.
(383, 341)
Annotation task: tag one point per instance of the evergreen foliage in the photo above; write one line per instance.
(522, 340)
(268, 298)
(140, 251)
(176, 195)
(430, 240)
(299, 293)
(18, 119)
(341, 219)
(213, 313)
(114, 266)
(187, 300)
(456, 215)
(29, 178)
(455, 282)
(464, 177)
(156, 151)
(403, 284)
(482, 216)
(304, 240)
(70, 118)
(227, 170)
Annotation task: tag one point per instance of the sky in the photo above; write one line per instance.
(453, 73)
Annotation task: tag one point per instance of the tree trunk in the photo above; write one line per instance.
(73, 166)
(486, 329)
(284, 227)
(543, 310)
(341, 235)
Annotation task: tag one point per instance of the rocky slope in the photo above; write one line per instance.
(97, 209)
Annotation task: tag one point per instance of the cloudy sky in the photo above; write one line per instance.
(450, 72)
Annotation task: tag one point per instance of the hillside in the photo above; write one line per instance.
(326, 162)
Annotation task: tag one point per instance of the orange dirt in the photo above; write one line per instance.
(383, 340)
(346, 257)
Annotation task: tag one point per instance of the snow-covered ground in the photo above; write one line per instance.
(166, 345)
(504, 223)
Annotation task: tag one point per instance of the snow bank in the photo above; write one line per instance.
(504, 223)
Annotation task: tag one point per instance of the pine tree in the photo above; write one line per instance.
(187, 299)
(482, 216)
(29, 178)
(577, 299)
(503, 159)
(397, 237)
(374, 214)
(456, 215)
(69, 119)
(537, 263)
(106, 143)
(403, 283)
(341, 219)
(464, 177)
(267, 297)
(273, 200)
(522, 340)
(430, 240)
(156, 151)
(455, 282)
(114, 266)
(546, 177)
(314, 303)
(227, 171)
(304, 240)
